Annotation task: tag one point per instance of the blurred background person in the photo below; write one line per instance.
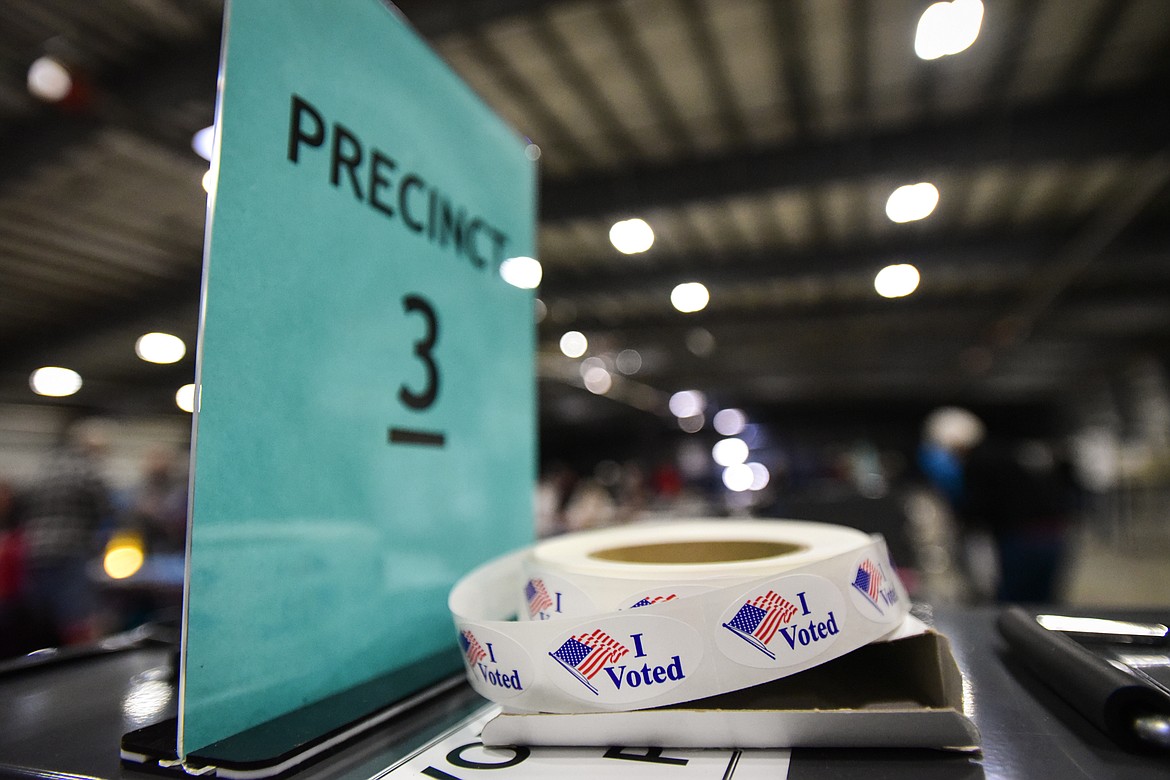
(11, 553)
(66, 510)
(948, 435)
(20, 631)
(157, 506)
(552, 493)
(1019, 494)
(590, 505)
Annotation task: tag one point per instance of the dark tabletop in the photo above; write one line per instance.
(67, 719)
(1027, 730)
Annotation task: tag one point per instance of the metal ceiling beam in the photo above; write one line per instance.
(164, 301)
(1088, 245)
(138, 99)
(980, 249)
(938, 312)
(1130, 124)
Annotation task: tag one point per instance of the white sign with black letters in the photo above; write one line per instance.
(461, 755)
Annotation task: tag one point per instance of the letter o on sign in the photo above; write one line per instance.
(455, 757)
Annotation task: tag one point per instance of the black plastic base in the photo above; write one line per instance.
(285, 744)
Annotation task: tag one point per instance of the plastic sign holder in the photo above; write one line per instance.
(365, 428)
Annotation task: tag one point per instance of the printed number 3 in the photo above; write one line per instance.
(422, 350)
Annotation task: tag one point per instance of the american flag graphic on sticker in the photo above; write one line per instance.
(585, 655)
(757, 621)
(868, 581)
(472, 649)
(646, 601)
(537, 595)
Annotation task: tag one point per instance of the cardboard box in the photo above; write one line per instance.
(903, 693)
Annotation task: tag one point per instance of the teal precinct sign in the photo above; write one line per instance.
(365, 429)
(373, 178)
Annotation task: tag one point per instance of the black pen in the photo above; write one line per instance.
(1134, 714)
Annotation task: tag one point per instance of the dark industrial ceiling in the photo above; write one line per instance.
(759, 138)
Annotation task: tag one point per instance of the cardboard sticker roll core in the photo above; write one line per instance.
(715, 551)
(646, 615)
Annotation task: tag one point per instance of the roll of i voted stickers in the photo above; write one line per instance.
(642, 616)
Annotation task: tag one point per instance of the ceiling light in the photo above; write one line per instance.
(896, 281)
(948, 28)
(760, 476)
(591, 362)
(690, 297)
(692, 424)
(729, 422)
(629, 361)
(160, 348)
(729, 452)
(598, 380)
(912, 202)
(540, 310)
(54, 381)
(700, 342)
(687, 403)
(631, 236)
(202, 142)
(185, 398)
(574, 344)
(522, 272)
(209, 180)
(49, 80)
(738, 478)
(532, 152)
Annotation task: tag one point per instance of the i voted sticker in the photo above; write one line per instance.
(548, 597)
(605, 635)
(873, 590)
(647, 598)
(783, 622)
(620, 660)
(498, 666)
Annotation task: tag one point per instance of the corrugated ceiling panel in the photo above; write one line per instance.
(988, 197)
(828, 64)
(874, 195)
(664, 35)
(513, 41)
(458, 51)
(1058, 39)
(592, 46)
(960, 81)
(1099, 180)
(794, 216)
(745, 214)
(891, 60)
(1139, 39)
(556, 245)
(672, 231)
(743, 34)
(836, 204)
(1043, 195)
(705, 229)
